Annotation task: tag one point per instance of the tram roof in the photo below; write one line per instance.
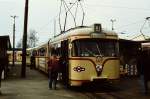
(80, 30)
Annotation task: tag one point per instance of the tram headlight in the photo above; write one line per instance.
(99, 68)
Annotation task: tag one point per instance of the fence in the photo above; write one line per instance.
(128, 70)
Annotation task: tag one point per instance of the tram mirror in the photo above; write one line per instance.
(70, 46)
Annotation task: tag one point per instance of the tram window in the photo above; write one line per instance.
(42, 52)
(94, 47)
(53, 51)
(34, 53)
(110, 49)
(58, 51)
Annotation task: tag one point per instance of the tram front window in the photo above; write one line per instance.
(95, 47)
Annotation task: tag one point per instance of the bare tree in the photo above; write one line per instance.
(32, 38)
(19, 44)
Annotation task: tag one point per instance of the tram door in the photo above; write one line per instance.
(64, 62)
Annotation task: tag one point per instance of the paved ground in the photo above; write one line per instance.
(35, 86)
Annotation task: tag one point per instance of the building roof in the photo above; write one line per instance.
(6, 37)
(140, 37)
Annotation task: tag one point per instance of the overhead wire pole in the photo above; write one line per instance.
(14, 29)
(148, 19)
(23, 69)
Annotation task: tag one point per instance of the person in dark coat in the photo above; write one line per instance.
(143, 68)
(3, 64)
(53, 69)
(32, 61)
(1, 70)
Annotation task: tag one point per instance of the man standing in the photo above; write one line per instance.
(143, 67)
(32, 61)
(53, 68)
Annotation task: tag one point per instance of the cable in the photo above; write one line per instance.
(129, 24)
(59, 16)
(148, 21)
(65, 16)
(142, 27)
(43, 27)
(70, 11)
(76, 10)
(67, 9)
(83, 13)
(100, 5)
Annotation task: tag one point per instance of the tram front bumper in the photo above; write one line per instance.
(95, 79)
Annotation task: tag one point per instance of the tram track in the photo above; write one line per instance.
(102, 96)
(102, 92)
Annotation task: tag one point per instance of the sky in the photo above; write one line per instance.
(129, 15)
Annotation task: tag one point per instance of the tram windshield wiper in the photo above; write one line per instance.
(99, 51)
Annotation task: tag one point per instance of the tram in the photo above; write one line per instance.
(87, 54)
(17, 56)
(41, 55)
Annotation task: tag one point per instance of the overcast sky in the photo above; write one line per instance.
(129, 15)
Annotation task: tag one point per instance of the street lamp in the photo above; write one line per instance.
(14, 18)
(113, 20)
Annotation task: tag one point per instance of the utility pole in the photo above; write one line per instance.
(113, 20)
(14, 29)
(23, 69)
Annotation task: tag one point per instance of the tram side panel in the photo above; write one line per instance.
(42, 64)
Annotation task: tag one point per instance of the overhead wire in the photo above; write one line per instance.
(67, 9)
(44, 26)
(103, 5)
(96, 5)
(76, 10)
(59, 16)
(129, 24)
(142, 27)
(83, 13)
(144, 36)
(148, 21)
(70, 11)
